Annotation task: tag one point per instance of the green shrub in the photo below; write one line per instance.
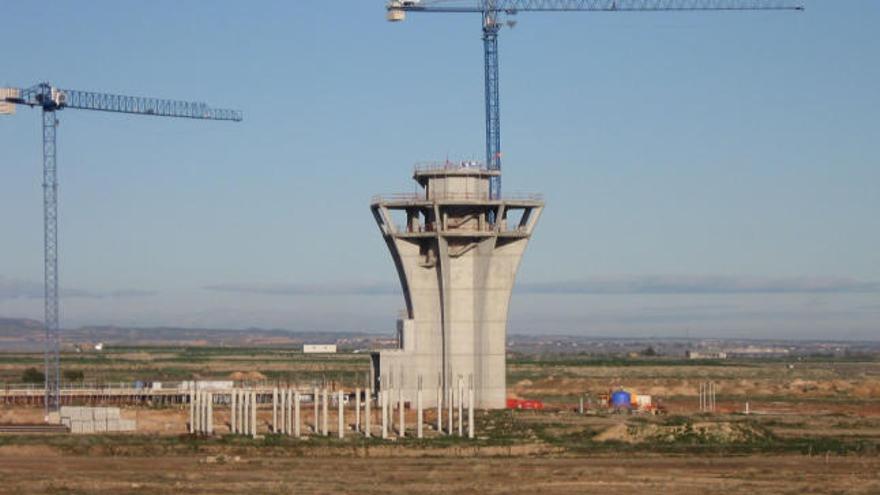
(33, 375)
(73, 375)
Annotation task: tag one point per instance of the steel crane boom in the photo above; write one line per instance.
(492, 10)
(51, 99)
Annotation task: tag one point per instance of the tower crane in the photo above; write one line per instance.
(51, 100)
(493, 11)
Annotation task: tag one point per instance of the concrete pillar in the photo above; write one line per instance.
(203, 412)
(208, 410)
(253, 415)
(242, 412)
(419, 417)
(460, 407)
(246, 413)
(383, 397)
(194, 424)
(324, 410)
(439, 408)
(450, 396)
(389, 398)
(197, 422)
(192, 412)
(288, 425)
(317, 399)
(282, 408)
(210, 422)
(241, 427)
(275, 410)
(239, 411)
(401, 426)
(232, 407)
(279, 428)
(340, 407)
(357, 409)
(368, 415)
(701, 397)
(297, 432)
(471, 411)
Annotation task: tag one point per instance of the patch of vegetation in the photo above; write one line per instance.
(73, 375)
(33, 375)
(610, 361)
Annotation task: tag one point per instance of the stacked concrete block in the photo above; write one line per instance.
(127, 425)
(95, 420)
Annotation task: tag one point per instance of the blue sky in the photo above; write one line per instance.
(726, 161)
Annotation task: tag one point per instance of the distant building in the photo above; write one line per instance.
(758, 352)
(201, 385)
(319, 348)
(706, 355)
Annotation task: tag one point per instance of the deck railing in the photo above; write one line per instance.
(450, 196)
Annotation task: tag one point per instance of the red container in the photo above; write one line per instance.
(524, 404)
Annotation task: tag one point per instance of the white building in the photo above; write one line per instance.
(319, 348)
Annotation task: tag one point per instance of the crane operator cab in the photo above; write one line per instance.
(395, 12)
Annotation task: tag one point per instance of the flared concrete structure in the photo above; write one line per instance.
(456, 252)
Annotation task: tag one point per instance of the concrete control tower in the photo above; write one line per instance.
(456, 252)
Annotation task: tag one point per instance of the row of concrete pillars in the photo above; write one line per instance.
(707, 397)
(201, 413)
(287, 412)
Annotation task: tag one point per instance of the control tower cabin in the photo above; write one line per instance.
(456, 252)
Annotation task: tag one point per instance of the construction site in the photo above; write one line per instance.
(445, 402)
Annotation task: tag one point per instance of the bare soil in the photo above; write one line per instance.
(27, 471)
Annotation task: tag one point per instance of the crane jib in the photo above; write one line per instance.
(514, 6)
(491, 10)
(51, 99)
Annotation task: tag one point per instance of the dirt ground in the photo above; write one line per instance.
(814, 428)
(39, 471)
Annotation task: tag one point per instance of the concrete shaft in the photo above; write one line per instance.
(401, 410)
(471, 412)
(419, 414)
(275, 410)
(315, 402)
(340, 415)
(209, 413)
(192, 412)
(288, 419)
(232, 406)
(368, 415)
(357, 409)
(456, 255)
(253, 421)
(297, 431)
(325, 411)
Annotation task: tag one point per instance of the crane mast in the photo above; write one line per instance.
(492, 11)
(51, 99)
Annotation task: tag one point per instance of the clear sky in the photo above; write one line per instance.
(708, 174)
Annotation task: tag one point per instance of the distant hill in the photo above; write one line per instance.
(18, 334)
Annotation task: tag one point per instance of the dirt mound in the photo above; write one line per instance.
(247, 376)
(702, 432)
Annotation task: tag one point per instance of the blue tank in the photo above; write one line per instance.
(621, 400)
